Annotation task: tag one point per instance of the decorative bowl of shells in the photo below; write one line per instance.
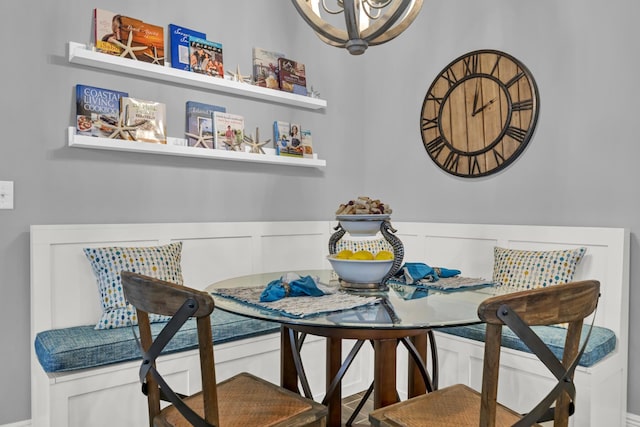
(363, 216)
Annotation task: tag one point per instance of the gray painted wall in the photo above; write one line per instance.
(580, 168)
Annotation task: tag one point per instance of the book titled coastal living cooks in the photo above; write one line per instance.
(179, 42)
(94, 107)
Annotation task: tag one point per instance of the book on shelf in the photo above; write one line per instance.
(265, 68)
(292, 76)
(128, 37)
(281, 138)
(228, 131)
(179, 45)
(144, 120)
(205, 57)
(294, 149)
(307, 143)
(94, 107)
(199, 125)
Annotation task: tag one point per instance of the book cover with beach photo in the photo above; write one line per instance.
(128, 37)
(229, 131)
(205, 57)
(265, 68)
(200, 119)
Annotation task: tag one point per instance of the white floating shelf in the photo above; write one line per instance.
(176, 147)
(80, 54)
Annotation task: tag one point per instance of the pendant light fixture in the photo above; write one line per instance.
(368, 22)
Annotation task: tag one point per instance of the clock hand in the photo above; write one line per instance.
(475, 100)
(483, 107)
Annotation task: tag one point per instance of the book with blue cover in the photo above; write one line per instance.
(205, 57)
(281, 136)
(179, 42)
(96, 106)
(199, 126)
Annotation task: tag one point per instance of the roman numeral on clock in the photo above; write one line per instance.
(451, 162)
(432, 97)
(522, 105)
(514, 79)
(429, 123)
(516, 133)
(471, 65)
(450, 77)
(435, 146)
(474, 165)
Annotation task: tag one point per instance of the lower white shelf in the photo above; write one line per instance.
(176, 147)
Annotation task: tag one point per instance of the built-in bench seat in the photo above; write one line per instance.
(82, 347)
(80, 374)
(601, 342)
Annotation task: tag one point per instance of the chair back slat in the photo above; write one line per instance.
(160, 297)
(546, 306)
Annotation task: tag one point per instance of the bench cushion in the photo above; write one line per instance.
(81, 347)
(601, 342)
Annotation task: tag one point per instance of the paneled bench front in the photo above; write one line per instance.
(79, 375)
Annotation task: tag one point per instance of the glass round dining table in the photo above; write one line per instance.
(404, 314)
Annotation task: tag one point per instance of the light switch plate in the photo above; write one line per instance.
(6, 194)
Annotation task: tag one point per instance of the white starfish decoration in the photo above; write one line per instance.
(238, 76)
(256, 146)
(120, 129)
(155, 59)
(128, 49)
(314, 93)
(201, 140)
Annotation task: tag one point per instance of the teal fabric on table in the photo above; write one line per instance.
(415, 271)
(298, 287)
(81, 347)
(601, 343)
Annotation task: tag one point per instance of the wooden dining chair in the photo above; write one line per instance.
(243, 400)
(460, 406)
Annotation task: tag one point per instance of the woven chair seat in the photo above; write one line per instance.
(455, 406)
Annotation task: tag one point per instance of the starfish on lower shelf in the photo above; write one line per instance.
(155, 59)
(256, 145)
(119, 128)
(201, 139)
(127, 49)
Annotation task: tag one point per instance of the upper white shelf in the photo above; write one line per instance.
(176, 147)
(80, 54)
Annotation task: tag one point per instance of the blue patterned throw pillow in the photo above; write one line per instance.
(161, 262)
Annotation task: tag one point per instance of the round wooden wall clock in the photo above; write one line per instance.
(479, 113)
